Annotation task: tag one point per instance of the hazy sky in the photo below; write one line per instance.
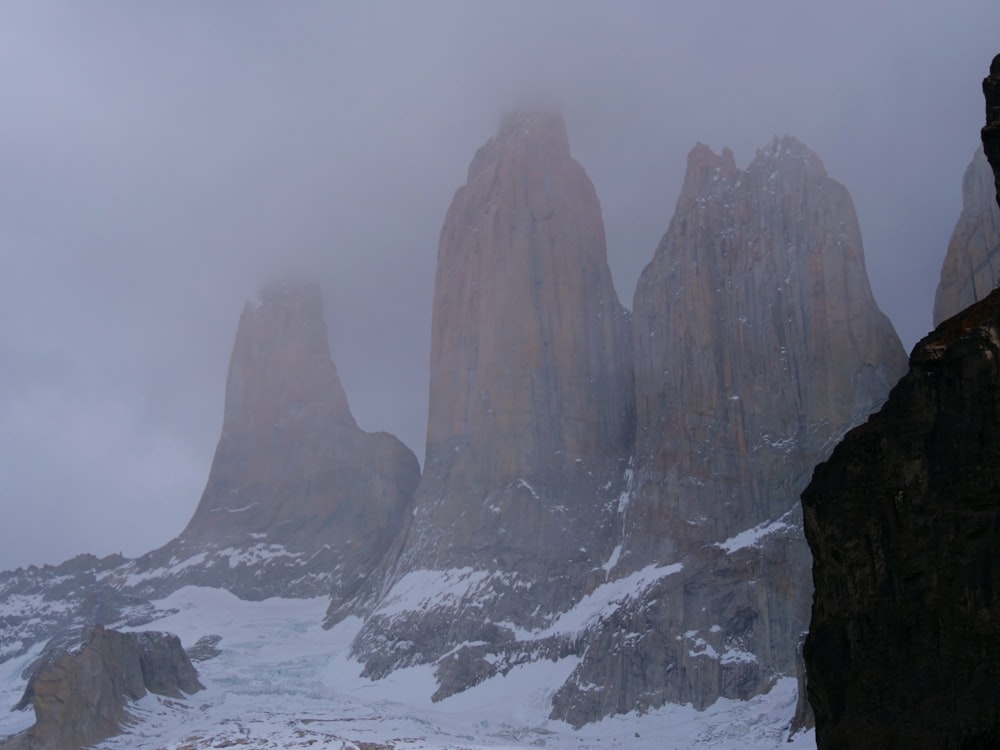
(159, 161)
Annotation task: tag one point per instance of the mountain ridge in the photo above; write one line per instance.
(546, 526)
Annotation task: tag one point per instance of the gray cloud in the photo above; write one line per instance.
(160, 161)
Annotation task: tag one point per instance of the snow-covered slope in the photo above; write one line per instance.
(282, 681)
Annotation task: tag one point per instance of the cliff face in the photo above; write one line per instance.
(758, 344)
(82, 697)
(531, 388)
(299, 501)
(902, 521)
(971, 267)
(531, 413)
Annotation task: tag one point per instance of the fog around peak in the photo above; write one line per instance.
(164, 161)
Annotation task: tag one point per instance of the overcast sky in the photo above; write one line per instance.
(160, 161)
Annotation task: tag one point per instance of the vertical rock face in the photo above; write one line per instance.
(757, 345)
(82, 697)
(902, 522)
(530, 395)
(903, 525)
(991, 131)
(971, 268)
(299, 500)
(531, 414)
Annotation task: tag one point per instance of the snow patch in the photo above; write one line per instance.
(282, 681)
(421, 590)
(604, 600)
(750, 537)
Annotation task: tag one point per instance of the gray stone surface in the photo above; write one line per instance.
(758, 344)
(531, 413)
(81, 697)
(971, 267)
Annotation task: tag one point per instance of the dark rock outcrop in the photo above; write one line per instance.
(903, 523)
(971, 267)
(300, 501)
(531, 413)
(991, 131)
(82, 697)
(758, 344)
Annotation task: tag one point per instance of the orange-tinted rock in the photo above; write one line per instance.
(531, 414)
(530, 389)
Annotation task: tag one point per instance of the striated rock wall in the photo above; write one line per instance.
(531, 412)
(531, 387)
(719, 624)
(82, 697)
(971, 267)
(758, 344)
(300, 501)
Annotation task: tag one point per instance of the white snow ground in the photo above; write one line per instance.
(282, 681)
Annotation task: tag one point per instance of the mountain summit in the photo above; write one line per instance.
(531, 412)
(757, 345)
(299, 500)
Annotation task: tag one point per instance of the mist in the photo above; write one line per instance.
(162, 161)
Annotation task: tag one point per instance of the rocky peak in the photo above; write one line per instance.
(280, 372)
(707, 172)
(527, 348)
(971, 267)
(282, 510)
(758, 343)
(535, 134)
(531, 412)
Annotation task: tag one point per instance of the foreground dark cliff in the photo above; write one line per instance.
(903, 522)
